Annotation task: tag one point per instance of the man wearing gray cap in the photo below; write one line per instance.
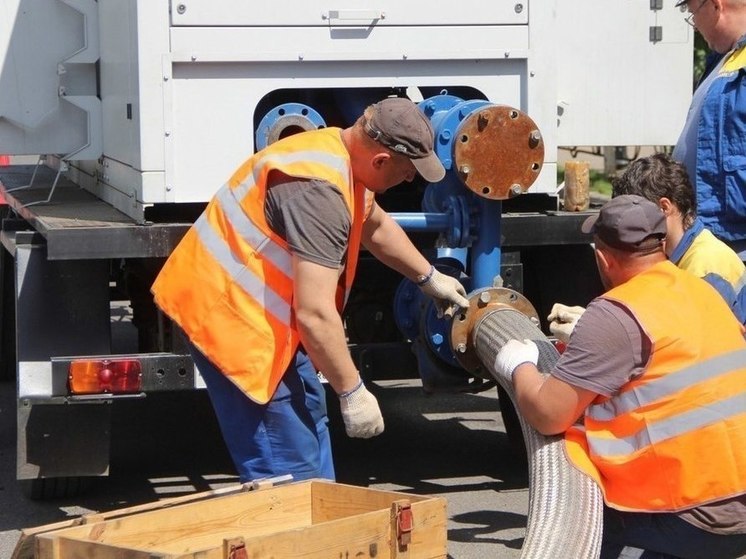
(711, 144)
(656, 371)
(259, 282)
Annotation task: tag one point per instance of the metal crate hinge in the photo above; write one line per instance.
(404, 523)
(235, 548)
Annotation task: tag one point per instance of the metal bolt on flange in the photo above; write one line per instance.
(515, 190)
(483, 120)
(485, 297)
(461, 348)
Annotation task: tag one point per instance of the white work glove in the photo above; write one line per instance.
(361, 413)
(562, 320)
(515, 353)
(447, 292)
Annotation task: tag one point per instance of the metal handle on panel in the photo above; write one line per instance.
(354, 15)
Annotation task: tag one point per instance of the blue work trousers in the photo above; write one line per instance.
(634, 535)
(287, 435)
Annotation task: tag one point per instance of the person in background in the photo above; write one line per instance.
(689, 245)
(711, 145)
(656, 369)
(259, 282)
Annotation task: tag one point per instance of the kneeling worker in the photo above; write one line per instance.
(656, 368)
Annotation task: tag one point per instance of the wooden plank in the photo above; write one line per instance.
(360, 536)
(77, 549)
(25, 546)
(186, 528)
(336, 500)
(429, 534)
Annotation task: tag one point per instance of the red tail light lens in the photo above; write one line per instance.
(105, 376)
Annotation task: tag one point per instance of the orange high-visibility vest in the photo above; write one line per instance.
(229, 282)
(675, 437)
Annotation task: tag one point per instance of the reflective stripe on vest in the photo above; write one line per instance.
(673, 438)
(666, 386)
(229, 283)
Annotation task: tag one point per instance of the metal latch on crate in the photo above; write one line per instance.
(404, 523)
(235, 548)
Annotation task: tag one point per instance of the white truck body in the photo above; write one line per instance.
(156, 101)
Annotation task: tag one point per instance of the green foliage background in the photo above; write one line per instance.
(700, 54)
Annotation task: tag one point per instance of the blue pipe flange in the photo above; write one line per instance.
(437, 194)
(408, 302)
(285, 120)
(435, 108)
(449, 113)
(459, 233)
(437, 331)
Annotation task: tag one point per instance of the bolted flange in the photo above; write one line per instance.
(482, 302)
(502, 150)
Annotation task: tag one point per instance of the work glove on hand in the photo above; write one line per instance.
(447, 293)
(562, 320)
(361, 413)
(515, 353)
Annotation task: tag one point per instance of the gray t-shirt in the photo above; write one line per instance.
(312, 217)
(607, 349)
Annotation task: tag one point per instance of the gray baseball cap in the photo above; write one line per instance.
(630, 223)
(398, 124)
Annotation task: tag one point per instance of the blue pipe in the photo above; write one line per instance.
(486, 253)
(423, 222)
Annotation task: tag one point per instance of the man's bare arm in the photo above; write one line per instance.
(320, 325)
(550, 405)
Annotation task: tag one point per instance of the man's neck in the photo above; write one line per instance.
(675, 233)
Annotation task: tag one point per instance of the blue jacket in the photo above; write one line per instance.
(721, 150)
(700, 253)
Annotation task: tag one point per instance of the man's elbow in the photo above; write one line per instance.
(547, 424)
(550, 428)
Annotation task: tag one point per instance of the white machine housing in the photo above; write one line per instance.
(155, 101)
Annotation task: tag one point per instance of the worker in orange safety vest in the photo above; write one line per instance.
(259, 282)
(656, 368)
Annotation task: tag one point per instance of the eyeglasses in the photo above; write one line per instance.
(689, 19)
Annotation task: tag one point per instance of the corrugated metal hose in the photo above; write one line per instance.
(565, 510)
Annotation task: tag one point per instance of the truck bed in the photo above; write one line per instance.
(76, 224)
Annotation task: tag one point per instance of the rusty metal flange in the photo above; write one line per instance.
(464, 323)
(498, 152)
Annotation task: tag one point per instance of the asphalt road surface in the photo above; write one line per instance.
(168, 445)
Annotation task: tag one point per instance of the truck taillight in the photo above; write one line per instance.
(105, 376)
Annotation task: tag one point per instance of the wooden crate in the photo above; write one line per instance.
(310, 520)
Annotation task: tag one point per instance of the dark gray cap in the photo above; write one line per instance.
(629, 223)
(398, 124)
